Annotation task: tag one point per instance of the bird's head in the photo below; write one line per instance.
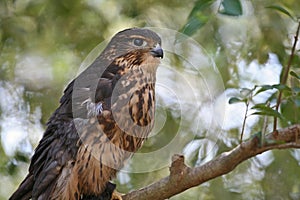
(138, 39)
(136, 47)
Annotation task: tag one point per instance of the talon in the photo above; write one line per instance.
(99, 108)
(93, 109)
(116, 195)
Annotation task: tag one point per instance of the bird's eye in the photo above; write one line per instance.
(139, 42)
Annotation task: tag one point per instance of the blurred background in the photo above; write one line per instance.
(225, 46)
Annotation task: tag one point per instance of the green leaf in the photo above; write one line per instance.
(279, 87)
(282, 10)
(259, 106)
(194, 24)
(274, 113)
(197, 18)
(200, 6)
(264, 88)
(233, 100)
(294, 74)
(231, 8)
(262, 109)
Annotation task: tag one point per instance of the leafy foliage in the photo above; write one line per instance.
(234, 33)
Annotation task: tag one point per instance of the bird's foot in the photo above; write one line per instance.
(94, 109)
(116, 196)
(108, 194)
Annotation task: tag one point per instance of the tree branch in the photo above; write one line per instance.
(183, 177)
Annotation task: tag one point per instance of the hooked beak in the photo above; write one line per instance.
(157, 51)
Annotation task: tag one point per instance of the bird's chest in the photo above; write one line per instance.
(134, 111)
(119, 131)
(133, 104)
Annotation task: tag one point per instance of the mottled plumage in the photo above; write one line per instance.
(104, 116)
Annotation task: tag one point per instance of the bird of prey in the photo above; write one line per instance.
(104, 116)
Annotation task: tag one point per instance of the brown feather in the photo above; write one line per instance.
(104, 116)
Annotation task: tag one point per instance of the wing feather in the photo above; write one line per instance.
(59, 145)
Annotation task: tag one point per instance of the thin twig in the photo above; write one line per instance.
(244, 121)
(286, 74)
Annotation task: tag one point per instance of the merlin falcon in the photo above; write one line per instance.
(104, 116)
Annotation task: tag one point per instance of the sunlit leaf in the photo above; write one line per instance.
(231, 8)
(281, 10)
(262, 109)
(280, 87)
(233, 100)
(264, 88)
